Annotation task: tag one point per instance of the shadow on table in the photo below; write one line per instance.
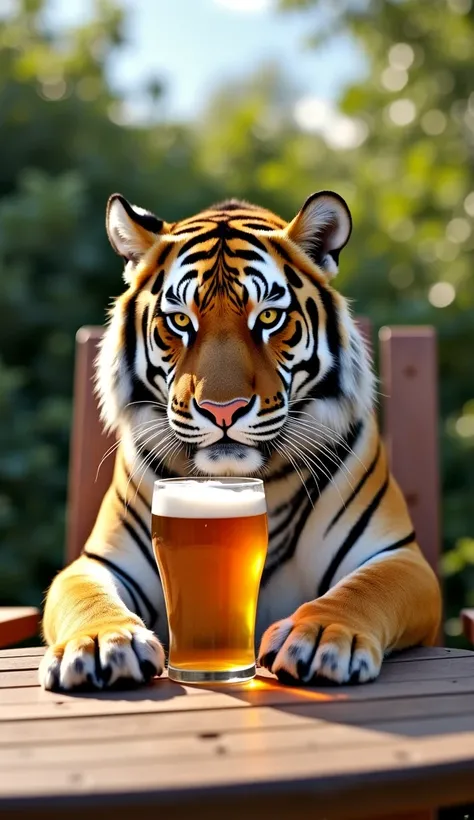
(158, 690)
(415, 696)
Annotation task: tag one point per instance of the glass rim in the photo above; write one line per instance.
(231, 481)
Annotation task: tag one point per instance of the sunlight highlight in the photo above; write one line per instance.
(261, 684)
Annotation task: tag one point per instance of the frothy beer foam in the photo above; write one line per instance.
(207, 499)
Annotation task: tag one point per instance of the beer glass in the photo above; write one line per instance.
(210, 540)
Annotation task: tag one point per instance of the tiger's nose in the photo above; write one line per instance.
(223, 412)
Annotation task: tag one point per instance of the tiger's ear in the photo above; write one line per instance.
(322, 228)
(131, 230)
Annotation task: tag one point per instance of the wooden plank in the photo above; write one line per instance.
(17, 623)
(428, 670)
(313, 735)
(25, 651)
(10, 662)
(209, 724)
(212, 722)
(423, 659)
(396, 709)
(31, 703)
(26, 662)
(423, 727)
(420, 654)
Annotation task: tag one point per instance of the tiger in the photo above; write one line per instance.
(231, 353)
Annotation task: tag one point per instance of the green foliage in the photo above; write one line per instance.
(413, 209)
(409, 183)
(62, 155)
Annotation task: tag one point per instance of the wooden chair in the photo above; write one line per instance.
(18, 623)
(408, 398)
(408, 371)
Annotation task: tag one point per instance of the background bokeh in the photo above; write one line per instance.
(180, 104)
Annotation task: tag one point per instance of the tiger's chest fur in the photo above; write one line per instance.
(323, 524)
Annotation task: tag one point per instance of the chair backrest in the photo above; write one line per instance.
(408, 385)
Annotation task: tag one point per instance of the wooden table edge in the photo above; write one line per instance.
(338, 796)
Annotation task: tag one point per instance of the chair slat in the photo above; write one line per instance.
(89, 442)
(408, 365)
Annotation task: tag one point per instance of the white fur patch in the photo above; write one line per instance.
(227, 464)
(119, 659)
(127, 239)
(323, 225)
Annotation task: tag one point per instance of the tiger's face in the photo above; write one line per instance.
(228, 329)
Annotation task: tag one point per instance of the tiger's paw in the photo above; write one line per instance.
(112, 656)
(305, 650)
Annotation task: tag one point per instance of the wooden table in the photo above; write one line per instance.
(402, 744)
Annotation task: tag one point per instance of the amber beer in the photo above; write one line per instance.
(210, 540)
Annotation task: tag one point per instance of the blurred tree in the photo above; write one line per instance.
(64, 149)
(410, 259)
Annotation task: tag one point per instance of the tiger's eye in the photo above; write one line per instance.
(181, 320)
(268, 317)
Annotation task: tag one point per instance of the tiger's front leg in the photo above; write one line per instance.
(94, 639)
(390, 604)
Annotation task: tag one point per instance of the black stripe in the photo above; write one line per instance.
(330, 384)
(354, 534)
(292, 276)
(124, 576)
(140, 544)
(234, 233)
(135, 604)
(356, 491)
(164, 255)
(301, 503)
(269, 422)
(289, 518)
(130, 335)
(139, 391)
(161, 343)
(332, 321)
(181, 413)
(259, 226)
(243, 253)
(158, 283)
(137, 490)
(152, 371)
(134, 514)
(184, 426)
(281, 251)
(295, 339)
(197, 239)
(198, 256)
(147, 220)
(193, 226)
(403, 542)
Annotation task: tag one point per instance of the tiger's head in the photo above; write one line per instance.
(228, 333)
